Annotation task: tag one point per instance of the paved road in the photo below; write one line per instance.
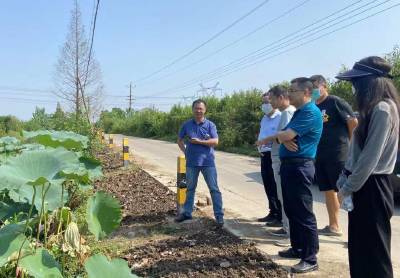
(245, 200)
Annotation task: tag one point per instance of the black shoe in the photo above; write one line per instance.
(304, 267)
(280, 232)
(183, 217)
(269, 218)
(290, 253)
(275, 223)
(220, 221)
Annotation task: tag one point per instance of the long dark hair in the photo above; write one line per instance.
(371, 90)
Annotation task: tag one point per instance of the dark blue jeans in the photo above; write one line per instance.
(298, 205)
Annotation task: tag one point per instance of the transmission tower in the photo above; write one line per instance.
(188, 100)
(208, 91)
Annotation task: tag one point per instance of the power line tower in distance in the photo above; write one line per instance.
(208, 91)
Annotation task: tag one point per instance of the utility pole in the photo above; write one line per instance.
(88, 107)
(130, 98)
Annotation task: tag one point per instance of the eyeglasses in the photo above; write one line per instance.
(292, 91)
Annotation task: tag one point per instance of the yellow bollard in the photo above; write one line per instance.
(181, 184)
(125, 150)
(103, 141)
(111, 142)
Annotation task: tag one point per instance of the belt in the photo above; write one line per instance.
(295, 160)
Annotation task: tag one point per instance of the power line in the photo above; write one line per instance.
(91, 44)
(206, 77)
(301, 44)
(204, 43)
(232, 64)
(225, 47)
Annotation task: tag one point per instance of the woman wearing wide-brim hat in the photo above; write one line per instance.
(372, 158)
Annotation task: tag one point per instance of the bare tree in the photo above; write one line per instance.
(77, 77)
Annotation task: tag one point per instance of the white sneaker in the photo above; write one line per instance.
(283, 242)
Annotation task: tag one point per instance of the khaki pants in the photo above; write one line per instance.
(276, 166)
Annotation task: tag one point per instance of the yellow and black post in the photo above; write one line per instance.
(125, 150)
(103, 141)
(182, 186)
(111, 143)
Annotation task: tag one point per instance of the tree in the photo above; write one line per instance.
(77, 77)
(394, 58)
(342, 88)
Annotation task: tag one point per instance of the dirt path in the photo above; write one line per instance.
(155, 246)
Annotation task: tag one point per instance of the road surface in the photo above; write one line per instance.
(245, 200)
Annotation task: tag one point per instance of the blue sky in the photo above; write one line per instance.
(136, 38)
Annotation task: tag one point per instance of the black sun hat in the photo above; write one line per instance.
(359, 70)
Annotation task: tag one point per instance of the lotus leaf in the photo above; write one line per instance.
(52, 199)
(66, 139)
(98, 266)
(40, 265)
(80, 175)
(92, 165)
(11, 239)
(31, 134)
(8, 140)
(32, 147)
(85, 187)
(8, 210)
(48, 141)
(37, 167)
(103, 214)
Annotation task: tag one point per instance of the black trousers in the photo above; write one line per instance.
(369, 229)
(296, 179)
(267, 174)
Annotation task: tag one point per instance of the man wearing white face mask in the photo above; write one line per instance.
(332, 152)
(268, 128)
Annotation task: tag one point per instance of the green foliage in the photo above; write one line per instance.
(8, 140)
(11, 241)
(237, 118)
(54, 139)
(52, 199)
(37, 167)
(99, 266)
(103, 214)
(41, 265)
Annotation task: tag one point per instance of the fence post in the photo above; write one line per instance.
(103, 141)
(181, 185)
(111, 142)
(125, 150)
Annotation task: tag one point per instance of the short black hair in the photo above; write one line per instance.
(199, 101)
(279, 90)
(304, 83)
(265, 94)
(318, 80)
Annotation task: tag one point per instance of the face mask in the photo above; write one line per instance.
(266, 108)
(316, 94)
(353, 89)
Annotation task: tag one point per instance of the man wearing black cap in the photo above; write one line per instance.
(333, 148)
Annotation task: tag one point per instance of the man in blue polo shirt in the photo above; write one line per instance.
(201, 138)
(300, 139)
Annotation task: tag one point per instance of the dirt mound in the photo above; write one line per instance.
(161, 248)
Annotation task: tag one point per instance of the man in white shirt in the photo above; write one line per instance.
(269, 125)
(278, 96)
